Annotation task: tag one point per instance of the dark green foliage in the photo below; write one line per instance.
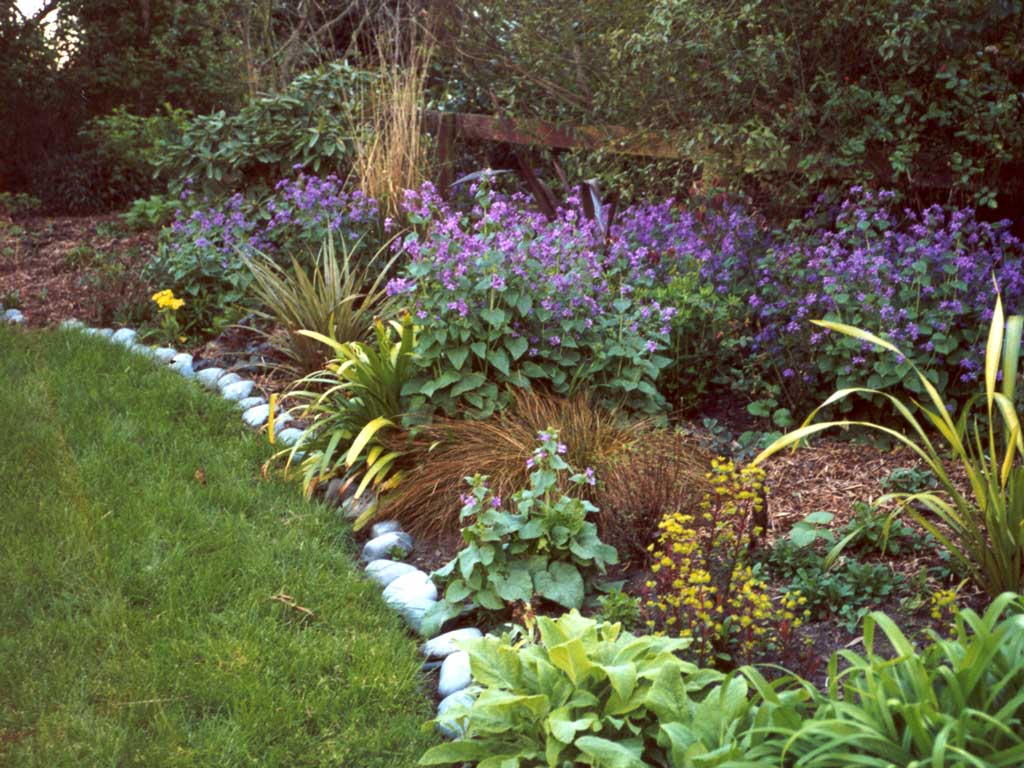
(537, 544)
(875, 532)
(590, 695)
(847, 589)
(86, 58)
(705, 330)
(309, 124)
(617, 607)
(780, 100)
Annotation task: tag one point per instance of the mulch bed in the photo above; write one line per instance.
(84, 267)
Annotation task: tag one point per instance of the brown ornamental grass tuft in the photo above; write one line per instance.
(641, 470)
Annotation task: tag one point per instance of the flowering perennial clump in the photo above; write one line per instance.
(202, 252)
(701, 586)
(507, 296)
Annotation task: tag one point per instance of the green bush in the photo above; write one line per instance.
(982, 527)
(339, 300)
(309, 124)
(782, 100)
(351, 403)
(589, 694)
(705, 334)
(126, 147)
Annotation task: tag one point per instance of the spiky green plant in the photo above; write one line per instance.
(982, 529)
(351, 403)
(339, 300)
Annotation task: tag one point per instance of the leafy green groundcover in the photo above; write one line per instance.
(138, 624)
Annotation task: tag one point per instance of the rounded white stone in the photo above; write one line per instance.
(445, 645)
(165, 354)
(380, 547)
(384, 526)
(239, 390)
(455, 674)
(208, 377)
(228, 379)
(386, 571)
(289, 436)
(124, 336)
(410, 587)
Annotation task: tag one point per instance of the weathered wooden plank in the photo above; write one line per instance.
(611, 138)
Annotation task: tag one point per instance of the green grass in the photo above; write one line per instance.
(136, 619)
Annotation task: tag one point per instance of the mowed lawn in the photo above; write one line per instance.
(140, 552)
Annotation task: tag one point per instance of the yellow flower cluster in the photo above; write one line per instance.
(165, 300)
(700, 585)
(944, 603)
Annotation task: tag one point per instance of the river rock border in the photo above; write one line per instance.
(407, 589)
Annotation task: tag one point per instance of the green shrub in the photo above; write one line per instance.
(543, 545)
(351, 402)
(151, 212)
(617, 607)
(778, 100)
(18, 204)
(957, 702)
(704, 337)
(309, 124)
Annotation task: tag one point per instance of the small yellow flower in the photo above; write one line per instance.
(165, 299)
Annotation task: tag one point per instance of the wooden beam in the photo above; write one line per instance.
(610, 138)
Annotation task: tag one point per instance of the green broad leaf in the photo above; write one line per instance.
(622, 678)
(667, 696)
(532, 530)
(457, 356)
(461, 751)
(561, 583)
(499, 359)
(468, 559)
(479, 349)
(489, 600)
(436, 616)
(457, 591)
(802, 536)
(514, 584)
(680, 738)
(494, 317)
(517, 347)
(571, 658)
(564, 727)
(819, 518)
(611, 754)
(524, 305)
(446, 379)
(494, 664)
(534, 371)
(470, 382)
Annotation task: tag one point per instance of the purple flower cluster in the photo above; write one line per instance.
(924, 280)
(561, 287)
(201, 254)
